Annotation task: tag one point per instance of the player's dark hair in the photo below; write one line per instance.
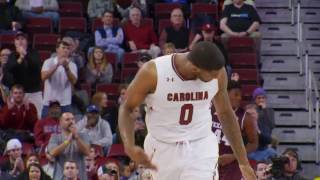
(234, 85)
(206, 55)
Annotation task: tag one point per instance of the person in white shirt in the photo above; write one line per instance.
(59, 75)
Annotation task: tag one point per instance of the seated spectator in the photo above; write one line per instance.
(98, 70)
(124, 6)
(144, 57)
(240, 20)
(59, 75)
(168, 48)
(91, 167)
(47, 126)
(177, 33)
(228, 2)
(263, 170)
(18, 113)
(109, 114)
(140, 37)
(123, 93)
(48, 168)
(96, 8)
(35, 172)
(23, 67)
(110, 37)
(10, 18)
(40, 8)
(14, 165)
(111, 170)
(71, 171)
(97, 129)
(69, 144)
(4, 56)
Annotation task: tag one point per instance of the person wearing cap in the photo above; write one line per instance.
(23, 67)
(177, 33)
(48, 125)
(69, 144)
(97, 129)
(14, 165)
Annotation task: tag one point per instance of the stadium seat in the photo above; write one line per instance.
(240, 45)
(249, 76)
(98, 23)
(112, 90)
(112, 59)
(116, 150)
(72, 24)
(87, 88)
(127, 74)
(27, 149)
(45, 41)
(7, 40)
(243, 60)
(130, 60)
(247, 91)
(204, 8)
(44, 55)
(3, 159)
(163, 23)
(70, 9)
(39, 25)
(163, 10)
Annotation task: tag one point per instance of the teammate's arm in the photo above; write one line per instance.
(251, 133)
(230, 125)
(143, 84)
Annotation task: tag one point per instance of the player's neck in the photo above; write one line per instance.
(182, 67)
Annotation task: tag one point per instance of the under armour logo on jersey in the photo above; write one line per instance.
(170, 79)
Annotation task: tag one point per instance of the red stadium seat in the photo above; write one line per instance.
(7, 40)
(148, 21)
(39, 25)
(204, 8)
(3, 159)
(163, 10)
(116, 150)
(130, 60)
(128, 74)
(44, 55)
(112, 59)
(243, 60)
(72, 24)
(112, 90)
(87, 88)
(163, 23)
(249, 76)
(240, 45)
(45, 41)
(97, 23)
(27, 149)
(70, 9)
(247, 91)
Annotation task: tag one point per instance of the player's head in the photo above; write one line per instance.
(235, 95)
(207, 58)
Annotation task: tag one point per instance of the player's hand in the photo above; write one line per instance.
(226, 159)
(247, 172)
(138, 155)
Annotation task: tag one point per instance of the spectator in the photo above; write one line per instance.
(14, 165)
(144, 57)
(19, 113)
(4, 56)
(91, 167)
(59, 75)
(168, 48)
(110, 114)
(47, 126)
(109, 171)
(48, 168)
(177, 33)
(96, 8)
(110, 37)
(29, 161)
(23, 67)
(99, 70)
(97, 129)
(228, 2)
(124, 7)
(69, 144)
(263, 170)
(140, 37)
(40, 8)
(35, 172)
(71, 171)
(10, 18)
(123, 93)
(240, 20)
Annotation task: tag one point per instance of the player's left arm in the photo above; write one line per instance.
(228, 120)
(251, 133)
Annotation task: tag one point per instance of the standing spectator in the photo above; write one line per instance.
(23, 67)
(40, 8)
(124, 6)
(14, 165)
(96, 8)
(240, 20)
(140, 37)
(69, 144)
(99, 70)
(71, 171)
(110, 37)
(19, 113)
(59, 75)
(10, 18)
(97, 129)
(47, 126)
(177, 33)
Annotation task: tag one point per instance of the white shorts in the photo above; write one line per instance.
(188, 160)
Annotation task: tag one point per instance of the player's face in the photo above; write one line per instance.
(235, 97)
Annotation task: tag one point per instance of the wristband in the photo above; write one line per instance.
(66, 142)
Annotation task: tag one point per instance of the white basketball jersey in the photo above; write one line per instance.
(179, 109)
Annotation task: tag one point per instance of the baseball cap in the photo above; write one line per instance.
(92, 108)
(258, 92)
(55, 102)
(208, 27)
(13, 144)
(20, 33)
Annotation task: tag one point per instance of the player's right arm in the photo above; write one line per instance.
(230, 126)
(144, 83)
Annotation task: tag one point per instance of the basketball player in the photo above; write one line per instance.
(178, 90)
(247, 119)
